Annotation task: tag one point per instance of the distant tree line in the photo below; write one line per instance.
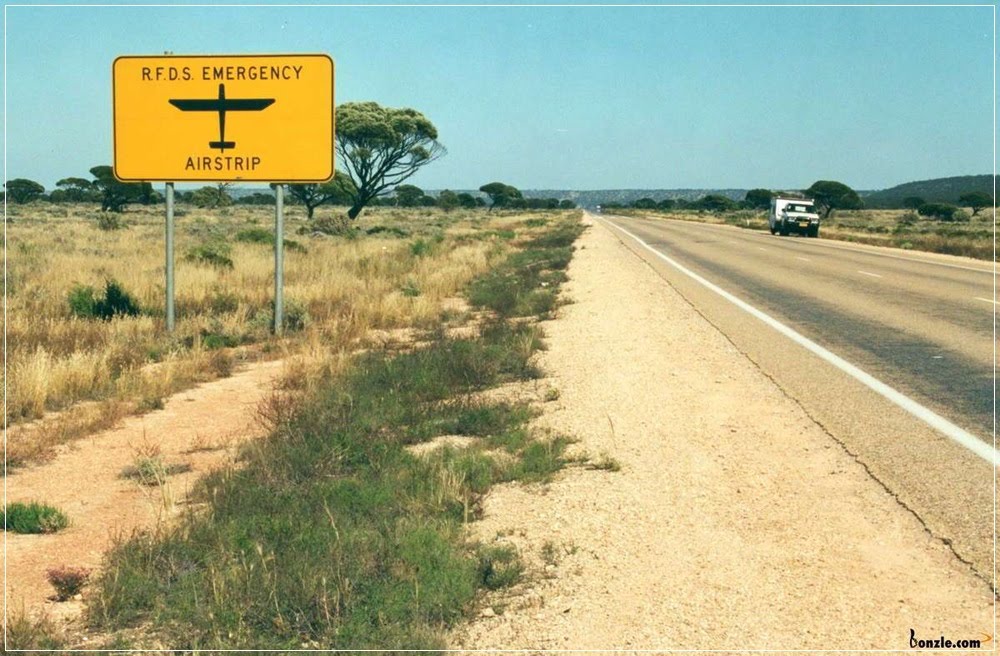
(116, 196)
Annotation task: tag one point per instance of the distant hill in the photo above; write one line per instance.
(938, 190)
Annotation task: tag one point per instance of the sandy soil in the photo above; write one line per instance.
(198, 427)
(735, 521)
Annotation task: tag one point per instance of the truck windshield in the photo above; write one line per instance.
(799, 208)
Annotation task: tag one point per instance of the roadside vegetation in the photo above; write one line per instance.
(343, 528)
(85, 305)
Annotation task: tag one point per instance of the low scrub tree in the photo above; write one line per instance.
(468, 201)
(976, 200)
(116, 195)
(447, 200)
(758, 199)
(912, 202)
(338, 191)
(831, 195)
(382, 147)
(22, 190)
(939, 211)
(501, 195)
(717, 203)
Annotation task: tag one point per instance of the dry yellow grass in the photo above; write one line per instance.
(335, 291)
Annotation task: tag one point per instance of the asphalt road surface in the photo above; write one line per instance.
(920, 323)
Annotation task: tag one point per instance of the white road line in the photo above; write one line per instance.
(761, 248)
(936, 421)
(873, 275)
(804, 259)
(980, 298)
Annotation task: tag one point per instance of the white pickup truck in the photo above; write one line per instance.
(789, 214)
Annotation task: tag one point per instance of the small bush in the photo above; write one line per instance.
(68, 581)
(410, 289)
(33, 517)
(115, 302)
(212, 341)
(940, 211)
(109, 221)
(391, 230)
(296, 315)
(499, 566)
(420, 248)
(255, 236)
(264, 236)
(81, 301)
(213, 254)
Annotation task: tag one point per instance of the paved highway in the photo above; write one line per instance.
(920, 323)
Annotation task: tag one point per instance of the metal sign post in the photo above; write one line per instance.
(170, 257)
(279, 251)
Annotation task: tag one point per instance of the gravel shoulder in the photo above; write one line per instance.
(735, 521)
(197, 428)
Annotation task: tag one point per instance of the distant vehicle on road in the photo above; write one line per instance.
(793, 214)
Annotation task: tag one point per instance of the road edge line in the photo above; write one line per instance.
(951, 431)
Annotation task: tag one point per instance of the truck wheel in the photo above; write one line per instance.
(783, 230)
(813, 231)
(772, 229)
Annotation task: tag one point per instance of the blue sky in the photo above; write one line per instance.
(566, 97)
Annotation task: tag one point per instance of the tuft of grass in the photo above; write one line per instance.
(152, 471)
(33, 517)
(500, 566)
(25, 632)
(605, 462)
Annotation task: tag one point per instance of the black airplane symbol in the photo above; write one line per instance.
(222, 105)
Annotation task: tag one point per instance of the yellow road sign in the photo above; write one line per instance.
(265, 118)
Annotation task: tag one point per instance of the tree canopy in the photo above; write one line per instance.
(831, 195)
(977, 200)
(381, 147)
(501, 195)
(759, 199)
(447, 200)
(22, 190)
(115, 195)
(409, 196)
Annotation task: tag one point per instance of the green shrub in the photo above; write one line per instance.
(940, 211)
(264, 236)
(390, 230)
(420, 248)
(81, 301)
(33, 517)
(215, 254)
(255, 236)
(109, 221)
(115, 302)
